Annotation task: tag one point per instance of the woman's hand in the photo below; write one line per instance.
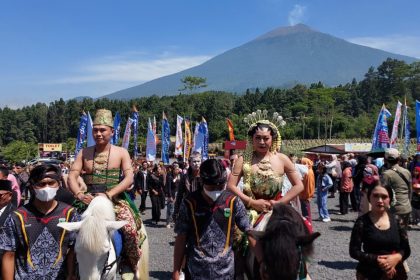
(85, 198)
(260, 205)
(155, 192)
(388, 262)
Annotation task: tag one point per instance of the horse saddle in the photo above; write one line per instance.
(117, 240)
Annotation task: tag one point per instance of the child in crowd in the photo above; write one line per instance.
(323, 184)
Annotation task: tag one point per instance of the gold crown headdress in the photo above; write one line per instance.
(253, 120)
(261, 117)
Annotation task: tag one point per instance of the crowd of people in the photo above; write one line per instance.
(222, 210)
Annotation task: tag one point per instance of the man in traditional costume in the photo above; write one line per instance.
(108, 172)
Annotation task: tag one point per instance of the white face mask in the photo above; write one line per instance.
(46, 194)
(214, 195)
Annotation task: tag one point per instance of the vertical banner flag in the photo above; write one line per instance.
(187, 145)
(127, 134)
(165, 139)
(230, 127)
(204, 130)
(150, 143)
(196, 140)
(418, 125)
(154, 125)
(394, 134)
(178, 142)
(380, 139)
(117, 129)
(135, 118)
(406, 129)
(81, 135)
(90, 139)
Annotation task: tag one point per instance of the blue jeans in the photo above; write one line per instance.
(169, 211)
(321, 199)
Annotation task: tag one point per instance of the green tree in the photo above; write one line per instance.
(18, 151)
(193, 83)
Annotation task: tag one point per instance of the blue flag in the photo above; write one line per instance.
(90, 139)
(380, 139)
(418, 125)
(81, 136)
(204, 130)
(198, 139)
(150, 143)
(165, 139)
(135, 118)
(407, 130)
(117, 129)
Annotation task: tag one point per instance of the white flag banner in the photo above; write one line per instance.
(127, 133)
(394, 135)
(179, 142)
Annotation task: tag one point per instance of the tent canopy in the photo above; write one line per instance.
(326, 149)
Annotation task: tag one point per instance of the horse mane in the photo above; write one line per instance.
(93, 228)
(282, 254)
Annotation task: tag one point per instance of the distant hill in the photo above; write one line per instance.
(279, 58)
(81, 98)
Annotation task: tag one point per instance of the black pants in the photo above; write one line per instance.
(143, 201)
(344, 202)
(155, 207)
(355, 198)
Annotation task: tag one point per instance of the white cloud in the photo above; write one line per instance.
(296, 15)
(400, 44)
(129, 68)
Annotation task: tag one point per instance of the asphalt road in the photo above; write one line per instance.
(331, 259)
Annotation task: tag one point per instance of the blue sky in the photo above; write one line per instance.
(51, 49)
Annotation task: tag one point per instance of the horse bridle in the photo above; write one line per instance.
(108, 267)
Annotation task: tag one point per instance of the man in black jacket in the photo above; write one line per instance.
(141, 182)
(6, 206)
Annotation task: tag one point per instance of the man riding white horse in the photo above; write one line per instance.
(103, 165)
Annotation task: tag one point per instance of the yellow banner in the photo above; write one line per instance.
(50, 147)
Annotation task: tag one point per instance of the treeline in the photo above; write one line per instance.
(314, 112)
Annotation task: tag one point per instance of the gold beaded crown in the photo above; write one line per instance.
(261, 117)
(103, 117)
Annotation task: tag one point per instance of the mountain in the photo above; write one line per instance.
(280, 58)
(80, 98)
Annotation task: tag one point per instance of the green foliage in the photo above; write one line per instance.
(314, 112)
(192, 83)
(19, 151)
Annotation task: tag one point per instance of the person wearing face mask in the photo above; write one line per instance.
(190, 182)
(35, 247)
(205, 227)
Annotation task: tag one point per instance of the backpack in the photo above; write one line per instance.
(222, 210)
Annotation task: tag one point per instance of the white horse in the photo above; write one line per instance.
(94, 248)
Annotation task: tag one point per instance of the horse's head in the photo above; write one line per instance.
(93, 243)
(285, 244)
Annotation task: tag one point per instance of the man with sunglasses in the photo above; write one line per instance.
(34, 246)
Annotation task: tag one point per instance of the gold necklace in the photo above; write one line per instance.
(264, 166)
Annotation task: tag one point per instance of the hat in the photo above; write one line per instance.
(392, 153)
(103, 117)
(5, 185)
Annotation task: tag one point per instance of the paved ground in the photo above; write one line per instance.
(331, 259)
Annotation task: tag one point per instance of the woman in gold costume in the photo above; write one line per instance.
(263, 167)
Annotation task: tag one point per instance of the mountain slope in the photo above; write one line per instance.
(279, 58)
